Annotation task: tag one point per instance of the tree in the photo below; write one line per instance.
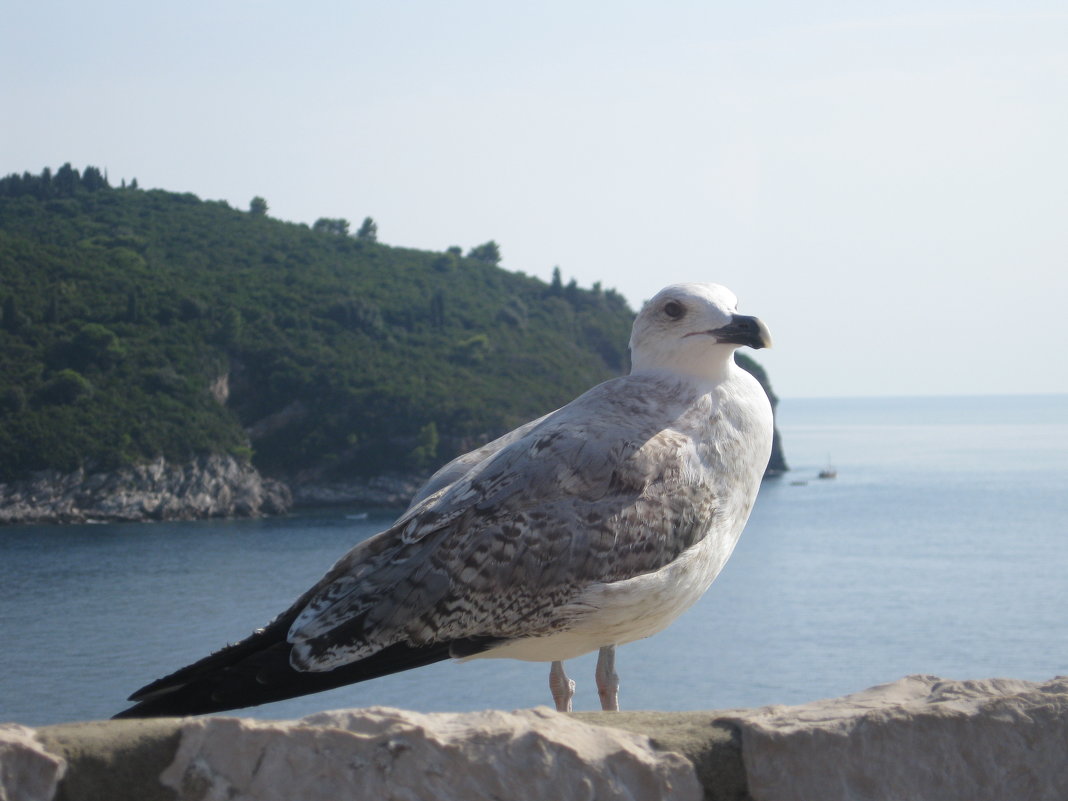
(437, 309)
(13, 399)
(258, 206)
(93, 179)
(329, 225)
(443, 263)
(368, 230)
(489, 253)
(426, 449)
(95, 344)
(231, 326)
(52, 310)
(66, 386)
(66, 180)
(571, 291)
(133, 310)
(557, 285)
(472, 350)
(14, 319)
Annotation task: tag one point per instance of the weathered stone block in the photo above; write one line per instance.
(27, 771)
(920, 738)
(394, 754)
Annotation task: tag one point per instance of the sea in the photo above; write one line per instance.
(940, 547)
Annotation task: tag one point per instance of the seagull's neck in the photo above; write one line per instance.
(703, 378)
(704, 362)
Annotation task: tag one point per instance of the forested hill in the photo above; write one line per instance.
(145, 323)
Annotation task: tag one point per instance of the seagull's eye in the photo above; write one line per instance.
(674, 309)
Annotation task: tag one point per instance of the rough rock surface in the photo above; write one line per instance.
(711, 744)
(366, 753)
(27, 771)
(918, 738)
(208, 486)
(389, 753)
(393, 491)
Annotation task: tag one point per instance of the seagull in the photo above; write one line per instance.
(591, 527)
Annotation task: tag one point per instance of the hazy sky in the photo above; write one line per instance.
(885, 184)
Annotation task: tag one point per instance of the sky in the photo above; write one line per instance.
(886, 185)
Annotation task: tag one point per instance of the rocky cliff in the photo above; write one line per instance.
(921, 738)
(209, 486)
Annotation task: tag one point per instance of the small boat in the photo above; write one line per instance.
(829, 471)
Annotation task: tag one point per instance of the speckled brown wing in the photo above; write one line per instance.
(502, 552)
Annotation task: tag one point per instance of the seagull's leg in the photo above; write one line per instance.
(562, 688)
(607, 680)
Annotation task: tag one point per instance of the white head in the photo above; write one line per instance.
(693, 328)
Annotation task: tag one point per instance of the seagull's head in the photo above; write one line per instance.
(693, 328)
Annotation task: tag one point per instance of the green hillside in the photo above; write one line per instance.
(138, 324)
(129, 315)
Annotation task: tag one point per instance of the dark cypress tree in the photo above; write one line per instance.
(557, 285)
(437, 309)
(46, 183)
(66, 180)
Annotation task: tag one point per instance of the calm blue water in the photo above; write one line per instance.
(940, 548)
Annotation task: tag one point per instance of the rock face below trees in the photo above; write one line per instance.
(208, 486)
(390, 491)
(917, 738)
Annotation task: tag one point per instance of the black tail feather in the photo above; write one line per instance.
(241, 676)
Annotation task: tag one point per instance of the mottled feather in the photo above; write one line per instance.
(506, 550)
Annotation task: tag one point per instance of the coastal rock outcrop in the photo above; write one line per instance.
(920, 738)
(390, 491)
(208, 486)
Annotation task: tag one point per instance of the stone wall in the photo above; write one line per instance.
(915, 739)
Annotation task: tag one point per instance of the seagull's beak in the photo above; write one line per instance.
(744, 330)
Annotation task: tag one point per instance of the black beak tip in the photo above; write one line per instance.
(746, 330)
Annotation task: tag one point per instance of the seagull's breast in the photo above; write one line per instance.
(732, 432)
(624, 611)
